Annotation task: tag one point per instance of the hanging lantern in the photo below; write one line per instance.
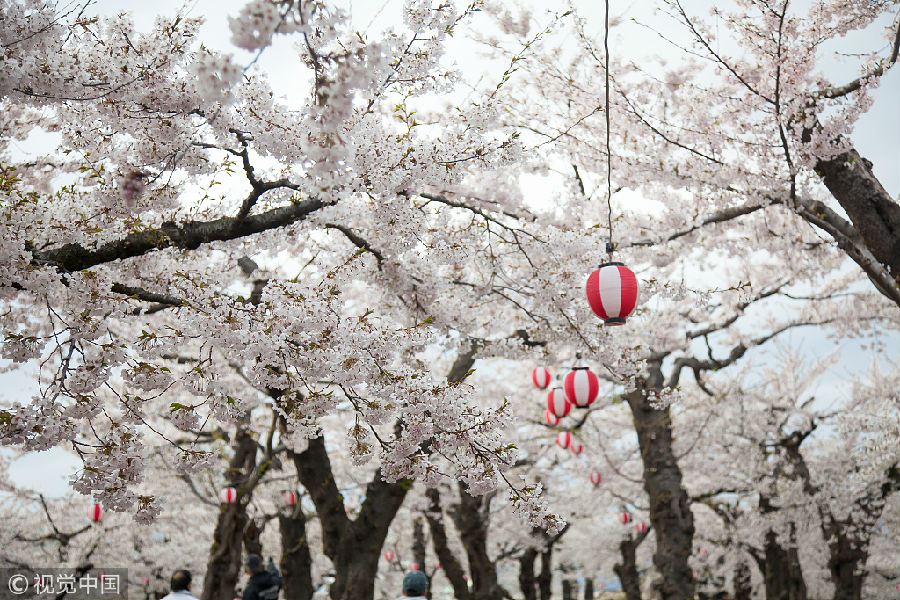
(388, 555)
(437, 564)
(550, 418)
(414, 566)
(557, 403)
(289, 497)
(702, 552)
(640, 527)
(540, 376)
(95, 513)
(624, 517)
(612, 292)
(596, 478)
(228, 495)
(576, 447)
(581, 387)
(563, 439)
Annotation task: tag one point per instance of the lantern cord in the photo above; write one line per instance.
(609, 245)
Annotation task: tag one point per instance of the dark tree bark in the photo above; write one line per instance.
(783, 574)
(252, 543)
(588, 589)
(743, 589)
(875, 215)
(568, 590)
(224, 565)
(451, 565)
(846, 560)
(627, 571)
(545, 579)
(670, 513)
(527, 580)
(418, 546)
(472, 518)
(352, 545)
(296, 563)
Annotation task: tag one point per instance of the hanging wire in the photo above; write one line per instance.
(609, 245)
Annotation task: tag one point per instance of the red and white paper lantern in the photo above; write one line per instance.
(596, 478)
(582, 386)
(228, 495)
(95, 513)
(612, 292)
(624, 517)
(437, 564)
(640, 527)
(550, 418)
(289, 498)
(557, 403)
(576, 447)
(540, 376)
(414, 566)
(563, 439)
(388, 555)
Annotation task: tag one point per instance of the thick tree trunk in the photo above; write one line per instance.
(588, 589)
(783, 575)
(472, 519)
(568, 592)
(545, 579)
(353, 546)
(627, 571)
(527, 581)
(875, 215)
(670, 512)
(451, 565)
(847, 565)
(224, 565)
(743, 589)
(296, 562)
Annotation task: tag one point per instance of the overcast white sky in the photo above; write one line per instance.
(877, 135)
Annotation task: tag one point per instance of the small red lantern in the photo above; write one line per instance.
(550, 418)
(414, 566)
(612, 292)
(582, 386)
(437, 564)
(388, 555)
(596, 478)
(576, 447)
(146, 581)
(563, 439)
(289, 497)
(540, 376)
(95, 513)
(640, 527)
(557, 403)
(624, 517)
(228, 495)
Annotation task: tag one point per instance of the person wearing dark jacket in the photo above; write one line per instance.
(262, 584)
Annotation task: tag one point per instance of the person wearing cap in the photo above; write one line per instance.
(415, 586)
(180, 586)
(262, 584)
